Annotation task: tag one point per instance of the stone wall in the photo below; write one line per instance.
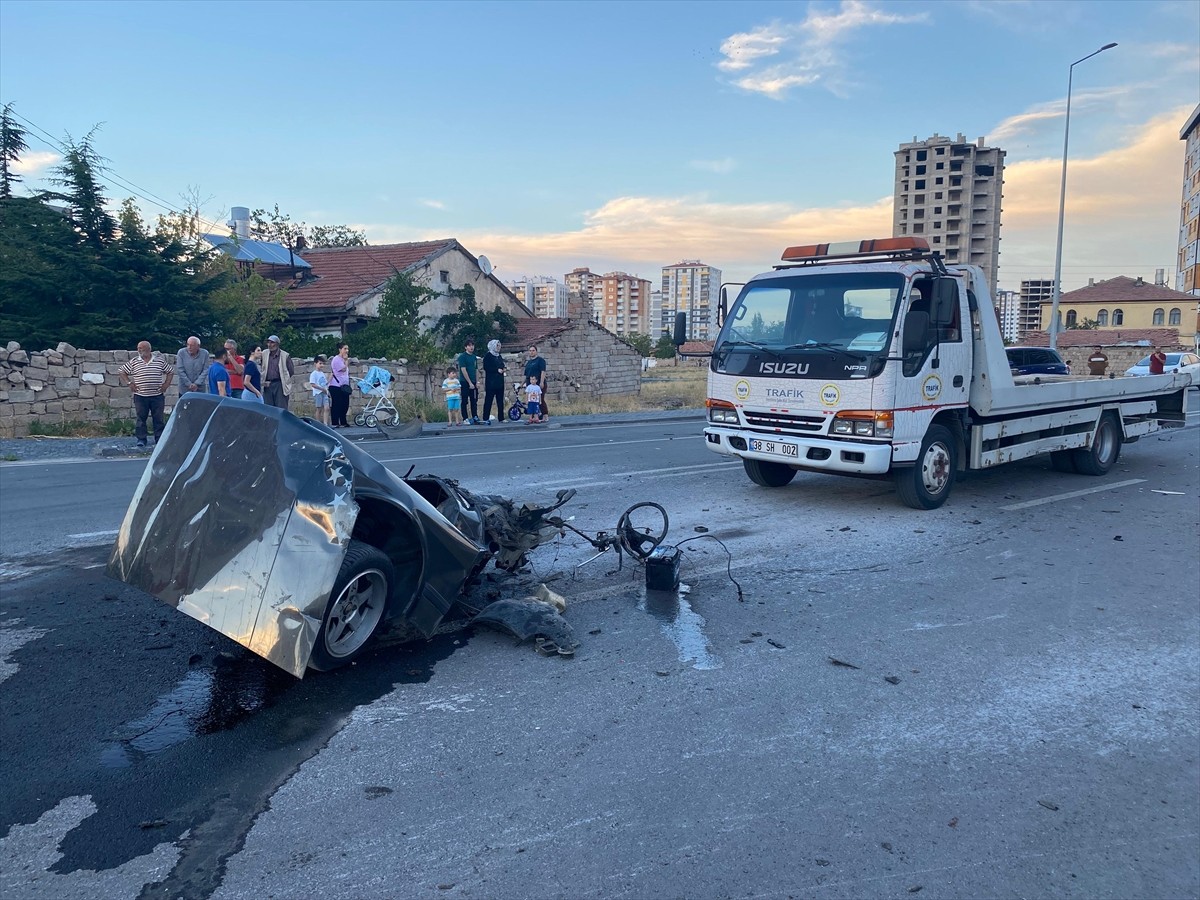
(69, 385)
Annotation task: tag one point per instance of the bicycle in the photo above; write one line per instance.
(516, 412)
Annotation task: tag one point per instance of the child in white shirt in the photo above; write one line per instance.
(533, 400)
(319, 382)
(453, 389)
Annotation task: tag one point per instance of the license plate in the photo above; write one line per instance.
(778, 448)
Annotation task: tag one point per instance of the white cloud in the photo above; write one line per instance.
(433, 204)
(36, 162)
(800, 53)
(1026, 121)
(719, 166)
(740, 50)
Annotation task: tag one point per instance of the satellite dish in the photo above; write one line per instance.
(485, 265)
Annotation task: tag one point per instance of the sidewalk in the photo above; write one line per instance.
(48, 449)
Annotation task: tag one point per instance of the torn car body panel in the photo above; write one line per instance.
(244, 515)
(242, 518)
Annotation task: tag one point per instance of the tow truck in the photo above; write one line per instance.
(876, 359)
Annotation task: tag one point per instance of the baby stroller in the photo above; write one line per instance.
(376, 389)
(517, 410)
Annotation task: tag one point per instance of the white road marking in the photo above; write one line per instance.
(93, 534)
(1096, 490)
(524, 450)
(677, 470)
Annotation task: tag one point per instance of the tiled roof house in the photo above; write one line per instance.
(344, 285)
(1125, 303)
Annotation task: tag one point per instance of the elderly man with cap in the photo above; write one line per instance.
(277, 372)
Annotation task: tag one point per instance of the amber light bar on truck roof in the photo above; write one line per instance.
(909, 246)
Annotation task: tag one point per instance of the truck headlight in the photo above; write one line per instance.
(721, 412)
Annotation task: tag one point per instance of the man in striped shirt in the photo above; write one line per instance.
(149, 375)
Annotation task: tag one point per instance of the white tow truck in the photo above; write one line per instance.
(876, 359)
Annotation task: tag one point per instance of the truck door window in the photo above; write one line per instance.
(920, 301)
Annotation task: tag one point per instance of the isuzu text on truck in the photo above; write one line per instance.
(876, 359)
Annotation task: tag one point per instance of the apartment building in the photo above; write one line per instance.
(949, 192)
(1008, 308)
(544, 294)
(586, 283)
(623, 306)
(1188, 268)
(1029, 304)
(692, 287)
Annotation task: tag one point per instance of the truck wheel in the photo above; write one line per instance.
(1104, 451)
(927, 484)
(356, 607)
(768, 474)
(1063, 461)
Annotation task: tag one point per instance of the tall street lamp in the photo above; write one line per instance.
(1062, 202)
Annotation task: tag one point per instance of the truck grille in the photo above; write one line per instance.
(784, 421)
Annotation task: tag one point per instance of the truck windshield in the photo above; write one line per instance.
(850, 313)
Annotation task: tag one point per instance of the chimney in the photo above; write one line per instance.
(239, 221)
(1160, 277)
(1091, 282)
(1139, 281)
(578, 307)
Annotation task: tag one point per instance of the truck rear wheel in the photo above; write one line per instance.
(1104, 451)
(768, 474)
(927, 484)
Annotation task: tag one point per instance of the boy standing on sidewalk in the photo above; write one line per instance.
(319, 382)
(453, 388)
(533, 400)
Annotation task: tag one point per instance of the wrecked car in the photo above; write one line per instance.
(279, 534)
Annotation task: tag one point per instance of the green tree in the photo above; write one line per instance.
(12, 145)
(336, 236)
(246, 305)
(397, 334)
(642, 343)
(1084, 325)
(453, 329)
(79, 176)
(276, 227)
(665, 348)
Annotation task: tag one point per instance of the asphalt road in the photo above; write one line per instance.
(1020, 715)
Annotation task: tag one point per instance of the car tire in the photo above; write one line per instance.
(768, 474)
(357, 607)
(928, 483)
(1104, 451)
(1063, 461)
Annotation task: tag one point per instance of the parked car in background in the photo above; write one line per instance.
(1036, 361)
(1187, 363)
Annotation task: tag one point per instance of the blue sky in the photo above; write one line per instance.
(624, 135)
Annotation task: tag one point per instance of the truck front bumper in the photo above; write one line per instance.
(820, 453)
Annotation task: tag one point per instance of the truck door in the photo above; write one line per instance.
(935, 357)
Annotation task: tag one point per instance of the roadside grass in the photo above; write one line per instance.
(110, 426)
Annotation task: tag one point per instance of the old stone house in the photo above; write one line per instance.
(338, 288)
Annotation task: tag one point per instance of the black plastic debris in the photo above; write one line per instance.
(529, 619)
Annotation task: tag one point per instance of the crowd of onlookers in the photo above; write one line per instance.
(266, 376)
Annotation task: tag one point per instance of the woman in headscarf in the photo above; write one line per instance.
(493, 382)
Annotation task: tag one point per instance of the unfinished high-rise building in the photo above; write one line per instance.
(948, 191)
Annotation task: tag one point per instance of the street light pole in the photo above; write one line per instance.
(1062, 203)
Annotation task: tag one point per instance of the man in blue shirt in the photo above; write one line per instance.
(218, 375)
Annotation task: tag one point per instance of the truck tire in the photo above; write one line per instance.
(927, 484)
(356, 607)
(1063, 461)
(1104, 451)
(768, 474)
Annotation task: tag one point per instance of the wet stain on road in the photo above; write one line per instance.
(683, 626)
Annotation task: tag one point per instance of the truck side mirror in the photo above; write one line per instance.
(945, 301)
(916, 332)
(723, 308)
(680, 337)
